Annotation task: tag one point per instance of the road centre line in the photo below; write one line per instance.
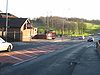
(23, 54)
(14, 57)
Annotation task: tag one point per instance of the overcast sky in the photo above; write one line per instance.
(88, 9)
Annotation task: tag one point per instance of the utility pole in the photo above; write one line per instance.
(6, 19)
(63, 27)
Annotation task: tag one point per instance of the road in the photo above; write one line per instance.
(69, 58)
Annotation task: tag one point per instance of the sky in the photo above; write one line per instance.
(87, 9)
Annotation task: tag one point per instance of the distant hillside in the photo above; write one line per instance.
(92, 28)
(67, 26)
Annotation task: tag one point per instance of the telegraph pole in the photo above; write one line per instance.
(6, 19)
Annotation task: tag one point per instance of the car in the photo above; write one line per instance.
(81, 38)
(5, 46)
(90, 39)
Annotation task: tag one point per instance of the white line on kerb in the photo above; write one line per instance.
(14, 57)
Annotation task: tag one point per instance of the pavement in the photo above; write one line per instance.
(42, 40)
(89, 63)
(51, 40)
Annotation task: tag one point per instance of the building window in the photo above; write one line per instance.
(35, 29)
(24, 27)
(29, 26)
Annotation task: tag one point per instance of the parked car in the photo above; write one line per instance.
(5, 46)
(90, 39)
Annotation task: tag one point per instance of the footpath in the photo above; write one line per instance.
(51, 40)
(89, 63)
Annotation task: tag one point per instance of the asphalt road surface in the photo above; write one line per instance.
(74, 58)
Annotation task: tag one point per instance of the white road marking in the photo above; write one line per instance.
(24, 61)
(91, 45)
(34, 51)
(29, 51)
(23, 54)
(14, 57)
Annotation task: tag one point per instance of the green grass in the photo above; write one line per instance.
(92, 28)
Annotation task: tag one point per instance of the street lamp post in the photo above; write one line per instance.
(6, 19)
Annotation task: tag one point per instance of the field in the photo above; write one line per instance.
(92, 28)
